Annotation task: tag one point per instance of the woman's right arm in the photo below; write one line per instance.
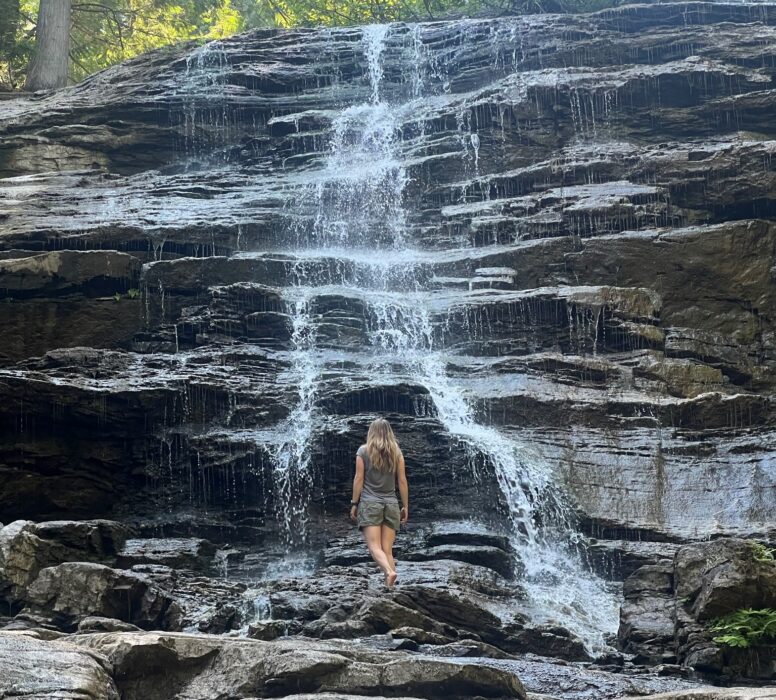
(358, 484)
(404, 491)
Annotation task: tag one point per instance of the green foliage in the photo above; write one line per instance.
(115, 30)
(9, 20)
(131, 294)
(762, 553)
(745, 628)
(105, 32)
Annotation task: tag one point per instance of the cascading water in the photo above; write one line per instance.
(355, 204)
(291, 457)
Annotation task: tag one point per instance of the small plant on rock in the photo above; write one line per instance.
(762, 553)
(745, 628)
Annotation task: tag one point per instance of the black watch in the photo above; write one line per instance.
(354, 503)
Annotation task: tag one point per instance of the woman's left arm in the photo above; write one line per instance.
(358, 484)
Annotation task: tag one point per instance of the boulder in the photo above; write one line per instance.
(105, 624)
(421, 636)
(384, 614)
(73, 591)
(722, 576)
(670, 607)
(34, 669)
(547, 640)
(154, 666)
(27, 547)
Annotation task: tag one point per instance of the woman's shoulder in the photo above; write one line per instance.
(361, 451)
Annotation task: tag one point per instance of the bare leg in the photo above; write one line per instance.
(387, 536)
(372, 538)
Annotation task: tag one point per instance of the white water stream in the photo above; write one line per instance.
(357, 203)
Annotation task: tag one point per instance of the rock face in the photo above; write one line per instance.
(543, 247)
(671, 606)
(601, 278)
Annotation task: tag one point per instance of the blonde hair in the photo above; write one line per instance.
(381, 446)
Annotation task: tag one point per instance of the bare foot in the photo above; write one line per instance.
(390, 579)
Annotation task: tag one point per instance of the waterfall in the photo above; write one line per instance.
(355, 204)
(292, 481)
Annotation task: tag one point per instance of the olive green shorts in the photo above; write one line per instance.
(378, 513)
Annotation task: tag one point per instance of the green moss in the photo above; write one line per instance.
(745, 628)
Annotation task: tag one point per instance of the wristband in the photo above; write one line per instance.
(354, 503)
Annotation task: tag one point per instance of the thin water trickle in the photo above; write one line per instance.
(292, 480)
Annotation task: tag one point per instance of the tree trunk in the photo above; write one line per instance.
(48, 68)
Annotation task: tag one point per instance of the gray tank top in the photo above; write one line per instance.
(378, 485)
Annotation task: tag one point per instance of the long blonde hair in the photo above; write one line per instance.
(381, 446)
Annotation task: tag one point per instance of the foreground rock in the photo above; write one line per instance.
(26, 548)
(32, 669)
(713, 694)
(155, 666)
(73, 591)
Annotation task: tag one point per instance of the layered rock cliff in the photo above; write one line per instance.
(543, 247)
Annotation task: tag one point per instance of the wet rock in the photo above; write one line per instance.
(27, 547)
(384, 615)
(548, 640)
(470, 533)
(267, 631)
(105, 272)
(200, 602)
(105, 624)
(494, 558)
(647, 627)
(670, 606)
(421, 636)
(714, 579)
(337, 696)
(179, 553)
(33, 669)
(157, 665)
(621, 558)
(470, 647)
(76, 590)
(562, 680)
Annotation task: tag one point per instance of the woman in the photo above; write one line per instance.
(379, 467)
